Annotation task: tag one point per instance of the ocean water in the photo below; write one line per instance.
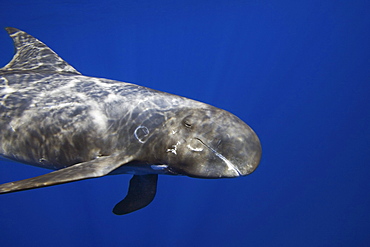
(296, 71)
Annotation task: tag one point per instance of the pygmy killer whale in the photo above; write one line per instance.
(83, 127)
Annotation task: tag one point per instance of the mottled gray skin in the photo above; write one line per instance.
(51, 116)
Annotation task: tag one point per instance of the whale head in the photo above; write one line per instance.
(206, 142)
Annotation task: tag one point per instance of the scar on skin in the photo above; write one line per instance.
(141, 133)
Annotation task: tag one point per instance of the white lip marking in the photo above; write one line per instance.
(230, 165)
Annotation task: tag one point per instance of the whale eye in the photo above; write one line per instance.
(187, 123)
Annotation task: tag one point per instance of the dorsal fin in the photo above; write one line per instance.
(33, 55)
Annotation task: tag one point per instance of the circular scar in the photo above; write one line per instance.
(141, 133)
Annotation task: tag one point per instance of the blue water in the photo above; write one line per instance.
(296, 71)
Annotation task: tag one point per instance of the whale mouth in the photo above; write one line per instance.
(230, 166)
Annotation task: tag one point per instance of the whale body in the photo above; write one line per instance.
(84, 127)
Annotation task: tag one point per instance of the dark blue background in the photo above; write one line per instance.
(298, 72)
